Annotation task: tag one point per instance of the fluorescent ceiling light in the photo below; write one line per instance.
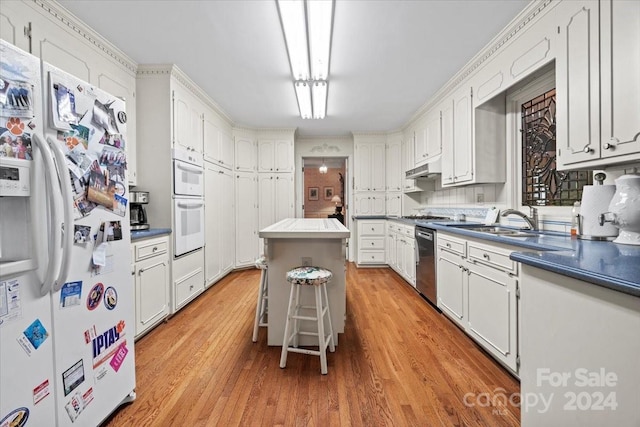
(319, 94)
(292, 15)
(303, 93)
(320, 20)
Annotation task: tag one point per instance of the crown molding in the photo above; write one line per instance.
(65, 18)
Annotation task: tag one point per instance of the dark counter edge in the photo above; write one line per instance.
(532, 259)
(152, 232)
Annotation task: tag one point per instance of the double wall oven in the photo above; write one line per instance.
(188, 202)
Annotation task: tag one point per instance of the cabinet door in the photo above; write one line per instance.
(152, 292)
(390, 248)
(246, 219)
(433, 136)
(451, 286)
(408, 161)
(420, 143)
(362, 167)
(266, 151)
(620, 91)
(266, 200)
(362, 204)
(245, 155)
(394, 204)
(409, 260)
(378, 204)
(462, 136)
(492, 313)
(187, 120)
(213, 223)
(394, 174)
(577, 75)
(447, 143)
(226, 148)
(284, 197)
(227, 207)
(399, 254)
(284, 155)
(377, 166)
(212, 141)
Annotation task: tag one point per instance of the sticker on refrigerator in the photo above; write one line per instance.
(90, 334)
(110, 298)
(75, 406)
(95, 296)
(100, 373)
(118, 358)
(16, 418)
(73, 377)
(33, 337)
(40, 392)
(107, 344)
(10, 304)
(70, 294)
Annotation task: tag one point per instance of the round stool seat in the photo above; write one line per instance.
(309, 276)
(261, 263)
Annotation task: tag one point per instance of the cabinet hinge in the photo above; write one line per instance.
(558, 29)
(303, 169)
(27, 34)
(471, 92)
(559, 153)
(518, 362)
(518, 291)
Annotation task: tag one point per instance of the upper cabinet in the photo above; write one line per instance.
(428, 142)
(188, 117)
(245, 150)
(275, 155)
(369, 163)
(394, 173)
(218, 143)
(598, 115)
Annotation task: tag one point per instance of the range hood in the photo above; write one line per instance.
(429, 169)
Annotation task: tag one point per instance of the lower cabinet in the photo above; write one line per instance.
(188, 278)
(478, 290)
(151, 277)
(401, 250)
(370, 242)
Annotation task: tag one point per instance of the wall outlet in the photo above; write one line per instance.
(480, 198)
(306, 261)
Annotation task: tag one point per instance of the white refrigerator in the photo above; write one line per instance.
(67, 319)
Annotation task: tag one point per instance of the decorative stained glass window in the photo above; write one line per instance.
(542, 184)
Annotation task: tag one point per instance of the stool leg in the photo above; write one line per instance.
(256, 323)
(322, 348)
(296, 322)
(332, 344)
(285, 340)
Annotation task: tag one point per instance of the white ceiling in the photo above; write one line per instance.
(387, 58)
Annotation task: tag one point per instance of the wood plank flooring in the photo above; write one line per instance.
(399, 363)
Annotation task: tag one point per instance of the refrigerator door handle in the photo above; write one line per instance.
(51, 178)
(67, 211)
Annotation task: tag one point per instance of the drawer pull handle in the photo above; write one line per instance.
(155, 248)
(485, 256)
(372, 243)
(448, 245)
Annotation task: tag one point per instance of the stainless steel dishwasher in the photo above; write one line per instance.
(426, 263)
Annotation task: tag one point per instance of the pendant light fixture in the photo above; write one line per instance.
(323, 168)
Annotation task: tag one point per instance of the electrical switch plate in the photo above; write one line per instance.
(306, 261)
(480, 198)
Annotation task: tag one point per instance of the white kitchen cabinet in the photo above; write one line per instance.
(275, 198)
(598, 90)
(400, 247)
(275, 155)
(394, 203)
(218, 143)
(409, 259)
(390, 245)
(477, 287)
(394, 174)
(151, 277)
(369, 164)
(428, 142)
(451, 273)
(188, 278)
(369, 203)
(245, 154)
(408, 162)
(247, 249)
(370, 242)
(188, 120)
(219, 222)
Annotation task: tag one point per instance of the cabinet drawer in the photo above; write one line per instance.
(188, 287)
(492, 257)
(409, 231)
(372, 243)
(371, 228)
(150, 248)
(371, 257)
(452, 245)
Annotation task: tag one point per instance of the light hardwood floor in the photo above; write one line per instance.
(399, 362)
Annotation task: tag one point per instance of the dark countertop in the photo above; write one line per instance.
(152, 232)
(607, 264)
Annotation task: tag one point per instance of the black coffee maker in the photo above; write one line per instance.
(138, 215)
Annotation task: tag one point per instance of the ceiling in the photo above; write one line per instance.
(387, 57)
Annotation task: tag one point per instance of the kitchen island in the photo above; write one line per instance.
(297, 241)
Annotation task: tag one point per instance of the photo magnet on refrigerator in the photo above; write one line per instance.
(95, 296)
(70, 294)
(33, 337)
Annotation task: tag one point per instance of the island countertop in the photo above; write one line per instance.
(306, 228)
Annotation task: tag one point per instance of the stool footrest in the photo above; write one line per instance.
(304, 351)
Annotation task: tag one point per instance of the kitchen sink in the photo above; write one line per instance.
(502, 231)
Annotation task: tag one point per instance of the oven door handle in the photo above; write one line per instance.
(424, 235)
(189, 168)
(190, 204)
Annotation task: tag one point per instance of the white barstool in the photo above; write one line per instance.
(318, 278)
(262, 306)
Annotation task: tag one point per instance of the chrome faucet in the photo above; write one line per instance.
(531, 220)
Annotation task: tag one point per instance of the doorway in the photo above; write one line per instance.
(323, 185)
